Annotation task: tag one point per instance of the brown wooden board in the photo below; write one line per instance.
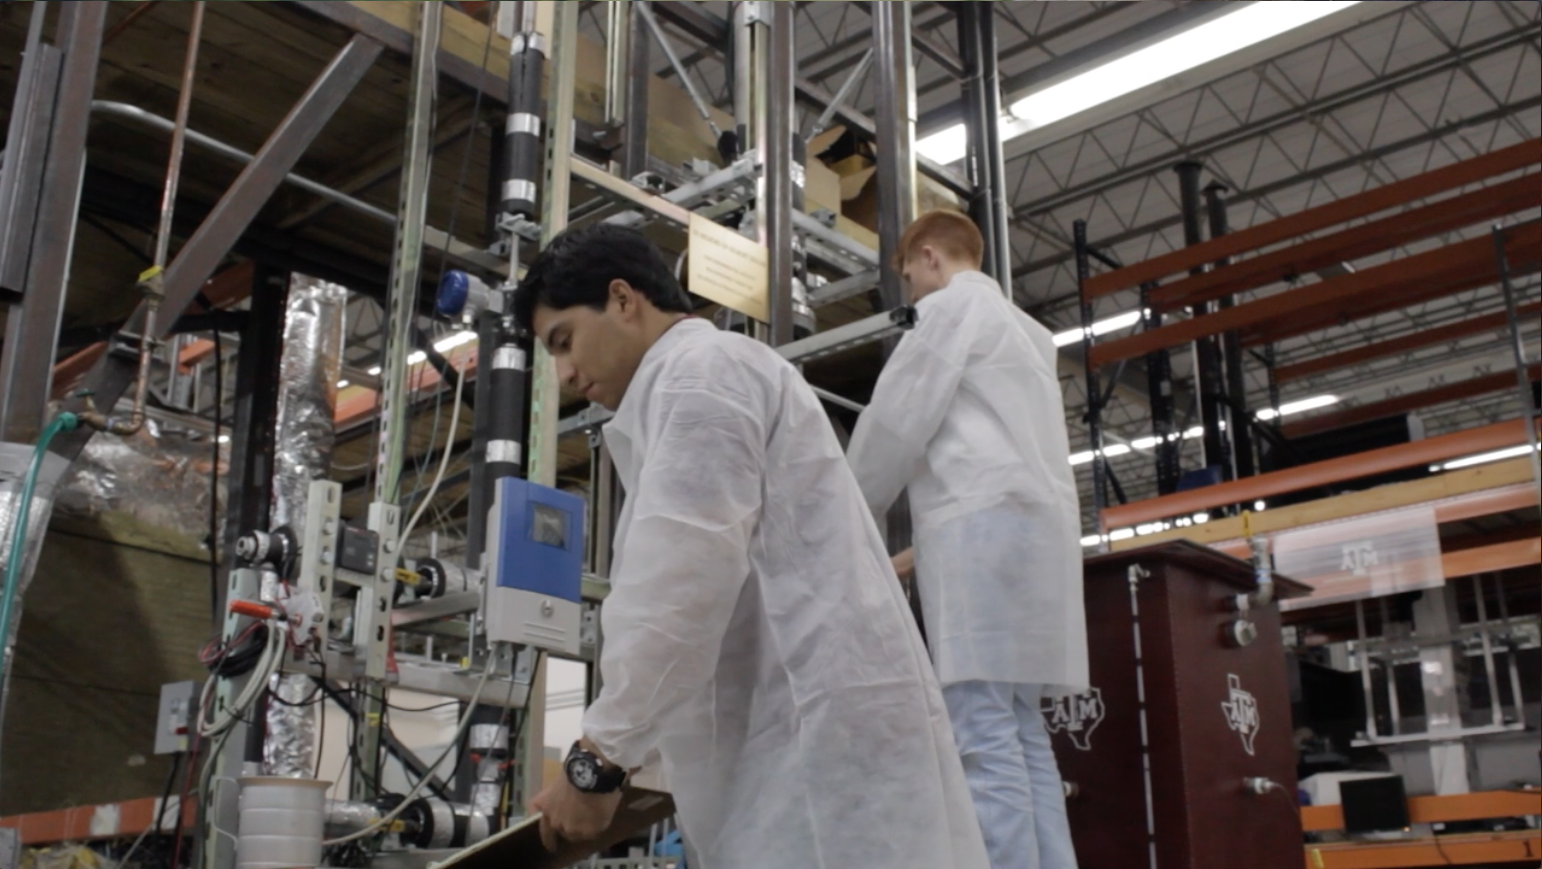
(519, 847)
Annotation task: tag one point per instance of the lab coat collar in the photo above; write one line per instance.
(618, 432)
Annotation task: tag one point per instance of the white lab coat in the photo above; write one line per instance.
(755, 635)
(968, 415)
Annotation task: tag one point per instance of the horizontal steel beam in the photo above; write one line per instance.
(1317, 474)
(1404, 403)
(864, 331)
(1456, 212)
(1390, 286)
(1518, 156)
(1403, 344)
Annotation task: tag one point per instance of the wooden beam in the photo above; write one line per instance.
(1475, 849)
(1404, 343)
(1473, 386)
(1342, 469)
(1438, 809)
(1486, 204)
(1461, 494)
(88, 823)
(1492, 558)
(1517, 156)
(1393, 285)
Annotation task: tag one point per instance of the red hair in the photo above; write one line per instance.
(951, 233)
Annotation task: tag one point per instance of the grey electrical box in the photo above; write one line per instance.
(176, 719)
(10, 848)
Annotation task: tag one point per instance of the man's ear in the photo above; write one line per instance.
(623, 296)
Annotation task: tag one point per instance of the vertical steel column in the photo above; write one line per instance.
(895, 124)
(895, 121)
(982, 113)
(26, 153)
(617, 66)
(778, 157)
(32, 329)
(634, 139)
(1094, 392)
(529, 746)
(1159, 388)
(406, 262)
(1207, 351)
(1529, 409)
(1231, 351)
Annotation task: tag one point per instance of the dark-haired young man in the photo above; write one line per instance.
(756, 638)
(967, 415)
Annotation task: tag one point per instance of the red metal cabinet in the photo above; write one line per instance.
(1215, 715)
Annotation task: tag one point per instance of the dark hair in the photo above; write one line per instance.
(578, 266)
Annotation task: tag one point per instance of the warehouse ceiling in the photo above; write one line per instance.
(1415, 87)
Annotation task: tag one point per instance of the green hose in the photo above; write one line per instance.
(64, 422)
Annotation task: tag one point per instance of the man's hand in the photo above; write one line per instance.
(569, 814)
(905, 564)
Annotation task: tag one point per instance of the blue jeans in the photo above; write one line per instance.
(1012, 774)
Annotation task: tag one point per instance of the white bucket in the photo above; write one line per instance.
(281, 823)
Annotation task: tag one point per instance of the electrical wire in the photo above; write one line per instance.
(267, 664)
(444, 459)
(460, 731)
(160, 814)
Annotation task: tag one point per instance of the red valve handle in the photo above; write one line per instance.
(251, 608)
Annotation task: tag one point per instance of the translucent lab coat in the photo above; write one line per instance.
(967, 414)
(755, 635)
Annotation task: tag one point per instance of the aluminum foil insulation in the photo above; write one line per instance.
(158, 478)
(311, 363)
(15, 459)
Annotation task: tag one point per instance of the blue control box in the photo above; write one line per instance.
(534, 566)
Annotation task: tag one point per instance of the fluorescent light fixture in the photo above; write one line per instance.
(416, 356)
(1101, 327)
(1091, 540)
(1232, 32)
(450, 342)
(1259, 505)
(1121, 534)
(1484, 458)
(224, 439)
(374, 371)
(1201, 518)
(947, 145)
(1109, 452)
(1247, 26)
(1305, 404)
(1193, 433)
(342, 384)
(1145, 443)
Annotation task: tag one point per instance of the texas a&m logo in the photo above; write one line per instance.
(1078, 715)
(1241, 712)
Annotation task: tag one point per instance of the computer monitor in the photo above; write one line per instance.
(1374, 805)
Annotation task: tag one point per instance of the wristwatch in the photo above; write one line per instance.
(589, 774)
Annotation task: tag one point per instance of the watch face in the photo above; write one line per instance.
(582, 773)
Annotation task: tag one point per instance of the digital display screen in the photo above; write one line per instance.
(549, 525)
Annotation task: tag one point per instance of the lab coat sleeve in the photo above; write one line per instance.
(682, 565)
(908, 404)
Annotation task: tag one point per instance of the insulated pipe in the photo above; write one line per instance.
(307, 395)
(523, 141)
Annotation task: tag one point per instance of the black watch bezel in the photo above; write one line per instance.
(605, 779)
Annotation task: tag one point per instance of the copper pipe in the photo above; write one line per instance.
(153, 282)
